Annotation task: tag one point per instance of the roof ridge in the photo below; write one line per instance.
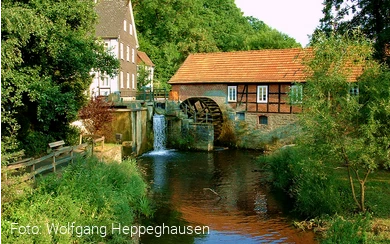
(247, 51)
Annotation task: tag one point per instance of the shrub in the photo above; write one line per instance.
(313, 187)
(348, 231)
(36, 143)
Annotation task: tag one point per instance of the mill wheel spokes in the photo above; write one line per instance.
(204, 110)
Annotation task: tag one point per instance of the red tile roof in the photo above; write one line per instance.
(142, 57)
(276, 65)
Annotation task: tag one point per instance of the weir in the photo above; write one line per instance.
(159, 129)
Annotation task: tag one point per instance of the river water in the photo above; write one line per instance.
(221, 190)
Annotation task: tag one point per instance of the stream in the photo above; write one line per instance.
(223, 190)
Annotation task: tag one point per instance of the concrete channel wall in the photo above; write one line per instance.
(134, 126)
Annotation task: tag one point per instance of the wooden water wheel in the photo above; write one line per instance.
(204, 110)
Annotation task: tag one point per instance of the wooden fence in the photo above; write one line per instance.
(45, 163)
(28, 168)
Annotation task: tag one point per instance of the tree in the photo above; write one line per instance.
(372, 16)
(347, 123)
(48, 49)
(170, 30)
(97, 116)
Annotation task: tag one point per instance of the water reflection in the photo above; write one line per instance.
(221, 190)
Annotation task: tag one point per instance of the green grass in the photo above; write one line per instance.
(88, 192)
(377, 190)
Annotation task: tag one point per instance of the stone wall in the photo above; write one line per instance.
(184, 134)
(275, 120)
(244, 130)
(203, 135)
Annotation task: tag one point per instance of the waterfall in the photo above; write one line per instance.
(159, 132)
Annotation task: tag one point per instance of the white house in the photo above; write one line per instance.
(116, 28)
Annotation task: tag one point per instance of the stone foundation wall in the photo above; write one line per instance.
(203, 136)
(244, 130)
(274, 120)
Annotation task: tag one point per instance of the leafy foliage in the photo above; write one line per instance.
(347, 129)
(348, 230)
(97, 115)
(303, 175)
(344, 138)
(170, 30)
(47, 52)
(372, 16)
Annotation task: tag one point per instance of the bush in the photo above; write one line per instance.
(348, 231)
(90, 193)
(313, 187)
(36, 143)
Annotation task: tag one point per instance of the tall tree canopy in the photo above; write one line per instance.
(169, 30)
(371, 16)
(346, 123)
(48, 50)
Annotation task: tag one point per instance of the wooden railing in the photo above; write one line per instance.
(42, 164)
(149, 95)
(96, 141)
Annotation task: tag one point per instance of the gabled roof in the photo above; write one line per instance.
(111, 14)
(276, 65)
(144, 58)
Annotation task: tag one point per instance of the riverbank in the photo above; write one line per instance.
(322, 195)
(84, 203)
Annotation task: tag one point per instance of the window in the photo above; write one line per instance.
(240, 116)
(263, 120)
(232, 93)
(131, 29)
(124, 25)
(132, 55)
(262, 94)
(128, 80)
(121, 51)
(354, 90)
(296, 94)
(132, 81)
(128, 53)
(104, 80)
(121, 79)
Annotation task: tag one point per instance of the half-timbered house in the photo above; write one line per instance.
(254, 84)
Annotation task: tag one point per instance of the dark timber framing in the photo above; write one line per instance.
(277, 98)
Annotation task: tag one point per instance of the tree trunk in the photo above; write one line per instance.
(353, 187)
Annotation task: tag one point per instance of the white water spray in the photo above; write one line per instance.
(159, 132)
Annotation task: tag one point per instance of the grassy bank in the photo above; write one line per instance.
(92, 194)
(322, 195)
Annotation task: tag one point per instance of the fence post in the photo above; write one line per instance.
(71, 155)
(54, 162)
(33, 171)
(103, 144)
(93, 145)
